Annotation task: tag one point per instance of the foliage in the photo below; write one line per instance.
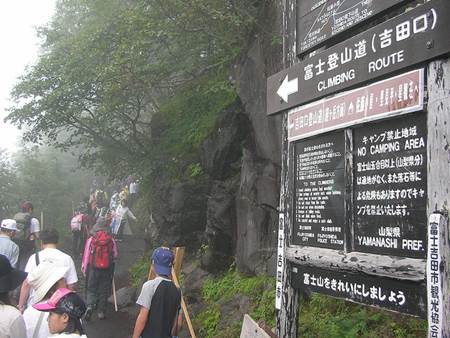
(108, 67)
(139, 271)
(51, 180)
(323, 316)
(320, 316)
(216, 291)
(9, 198)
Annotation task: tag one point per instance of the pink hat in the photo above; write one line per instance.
(50, 304)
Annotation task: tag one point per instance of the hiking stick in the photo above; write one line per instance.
(114, 294)
(184, 307)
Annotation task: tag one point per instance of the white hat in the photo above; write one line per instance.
(43, 277)
(9, 224)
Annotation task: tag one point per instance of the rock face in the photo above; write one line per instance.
(233, 210)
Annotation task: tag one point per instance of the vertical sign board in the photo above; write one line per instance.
(319, 186)
(390, 187)
(434, 278)
(406, 40)
(319, 21)
(280, 262)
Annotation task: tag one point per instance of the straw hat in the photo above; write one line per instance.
(43, 277)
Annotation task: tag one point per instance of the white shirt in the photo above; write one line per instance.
(34, 225)
(11, 323)
(53, 255)
(133, 188)
(31, 318)
(9, 249)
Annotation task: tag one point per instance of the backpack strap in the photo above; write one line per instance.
(38, 325)
(36, 257)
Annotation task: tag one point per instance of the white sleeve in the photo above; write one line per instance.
(34, 225)
(147, 292)
(31, 264)
(71, 275)
(15, 256)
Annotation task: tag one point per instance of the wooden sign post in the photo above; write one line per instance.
(364, 200)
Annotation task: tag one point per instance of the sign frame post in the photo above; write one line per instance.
(439, 177)
(438, 199)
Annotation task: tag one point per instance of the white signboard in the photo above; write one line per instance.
(435, 301)
(280, 263)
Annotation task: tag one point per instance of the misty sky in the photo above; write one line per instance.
(20, 47)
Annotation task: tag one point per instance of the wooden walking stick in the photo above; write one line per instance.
(184, 307)
(114, 294)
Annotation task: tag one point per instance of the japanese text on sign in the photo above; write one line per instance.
(398, 95)
(390, 187)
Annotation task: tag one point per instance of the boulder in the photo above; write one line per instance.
(125, 297)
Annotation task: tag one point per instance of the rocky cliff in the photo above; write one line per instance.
(232, 209)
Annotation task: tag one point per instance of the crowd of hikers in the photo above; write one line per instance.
(38, 286)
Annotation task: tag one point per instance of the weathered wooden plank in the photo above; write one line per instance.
(377, 265)
(286, 325)
(439, 170)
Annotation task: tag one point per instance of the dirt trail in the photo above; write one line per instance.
(117, 324)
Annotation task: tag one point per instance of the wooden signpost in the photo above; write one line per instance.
(365, 181)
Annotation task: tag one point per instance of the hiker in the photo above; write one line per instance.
(101, 199)
(97, 265)
(65, 309)
(121, 224)
(160, 299)
(76, 224)
(49, 252)
(114, 201)
(45, 280)
(8, 229)
(28, 228)
(83, 206)
(133, 191)
(123, 195)
(12, 324)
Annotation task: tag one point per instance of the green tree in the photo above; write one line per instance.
(8, 186)
(108, 67)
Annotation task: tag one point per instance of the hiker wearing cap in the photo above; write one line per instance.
(65, 310)
(97, 265)
(28, 228)
(12, 324)
(160, 299)
(45, 280)
(49, 242)
(8, 229)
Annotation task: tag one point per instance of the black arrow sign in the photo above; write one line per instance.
(406, 40)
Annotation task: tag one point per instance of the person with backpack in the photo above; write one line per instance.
(49, 253)
(97, 265)
(76, 224)
(160, 300)
(28, 231)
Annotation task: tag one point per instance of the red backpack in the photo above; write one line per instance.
(101, 250)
